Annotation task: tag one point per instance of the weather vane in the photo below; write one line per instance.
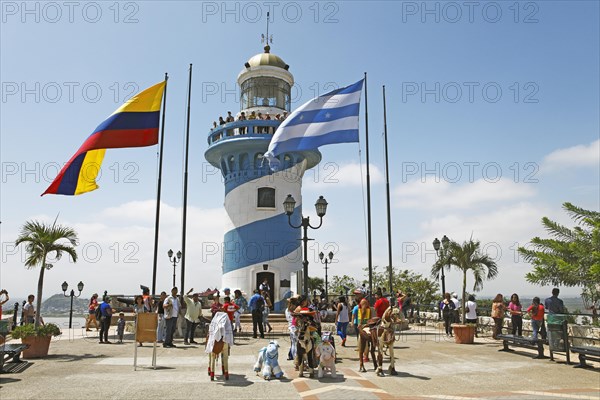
(265, 38)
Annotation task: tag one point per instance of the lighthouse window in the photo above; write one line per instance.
(258, 161)
(244, 161)
(266, 197)
(264, 91)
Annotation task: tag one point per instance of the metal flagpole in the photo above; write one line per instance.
(158, 190)
(185, 185)
(387, 189)
(369, 245)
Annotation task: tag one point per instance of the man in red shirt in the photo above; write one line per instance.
(381, 304)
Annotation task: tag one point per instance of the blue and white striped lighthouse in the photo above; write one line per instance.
(260, 244)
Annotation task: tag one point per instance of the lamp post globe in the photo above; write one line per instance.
(321, 207)
(174, 260)
(289, 205)
(326, 260)
(65, 287)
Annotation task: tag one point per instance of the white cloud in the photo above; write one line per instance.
(576, 156)
(447, 195)
(501, 231)
(329, 175)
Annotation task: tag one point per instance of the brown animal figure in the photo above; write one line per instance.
(379, 332)
(305, 346)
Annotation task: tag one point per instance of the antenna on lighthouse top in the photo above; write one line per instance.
(265, 38)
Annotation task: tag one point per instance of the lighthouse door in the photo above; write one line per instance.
(270, 277)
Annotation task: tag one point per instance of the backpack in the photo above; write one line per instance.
(98, 313)
(260, 303)
(446, 308)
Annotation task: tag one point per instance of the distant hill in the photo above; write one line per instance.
(59, 304)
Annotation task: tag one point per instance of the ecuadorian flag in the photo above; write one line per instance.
(134, 124)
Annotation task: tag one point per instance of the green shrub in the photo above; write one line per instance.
(28, 330)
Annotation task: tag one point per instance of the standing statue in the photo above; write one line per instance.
(379, 333)
(306, 342)
(326, 354)
(219, 341)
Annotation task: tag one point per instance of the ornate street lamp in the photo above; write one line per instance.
(64, 288)
(289, 205)
(327, 260)
(436, 246)
(174, 260)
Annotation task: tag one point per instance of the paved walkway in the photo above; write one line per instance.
(429, 366)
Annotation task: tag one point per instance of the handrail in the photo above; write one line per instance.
(233, 129)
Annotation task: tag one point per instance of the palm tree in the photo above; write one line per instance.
(467, 257)
(41, 240)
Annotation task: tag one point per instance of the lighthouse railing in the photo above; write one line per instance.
(248, 128)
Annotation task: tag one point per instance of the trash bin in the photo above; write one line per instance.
(557, 337)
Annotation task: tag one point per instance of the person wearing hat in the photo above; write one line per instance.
(192, 316)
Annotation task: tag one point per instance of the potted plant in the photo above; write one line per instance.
(466, 257)
(38, 338)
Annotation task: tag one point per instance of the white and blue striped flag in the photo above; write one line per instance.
(327, 119)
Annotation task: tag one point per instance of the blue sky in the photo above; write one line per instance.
(493, 123)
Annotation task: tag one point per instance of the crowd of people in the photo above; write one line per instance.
(450, 305)
(260, 305)
(253, 115)
(171, 307)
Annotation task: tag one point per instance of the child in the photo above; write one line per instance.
(121, 327)
(230, 308)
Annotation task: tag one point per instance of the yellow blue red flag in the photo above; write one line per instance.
(134, 124)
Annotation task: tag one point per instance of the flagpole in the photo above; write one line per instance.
(158, 190)
(185, 184)
(369, 245)
(387, 189)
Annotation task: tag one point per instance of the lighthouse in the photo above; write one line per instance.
(259, 244)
